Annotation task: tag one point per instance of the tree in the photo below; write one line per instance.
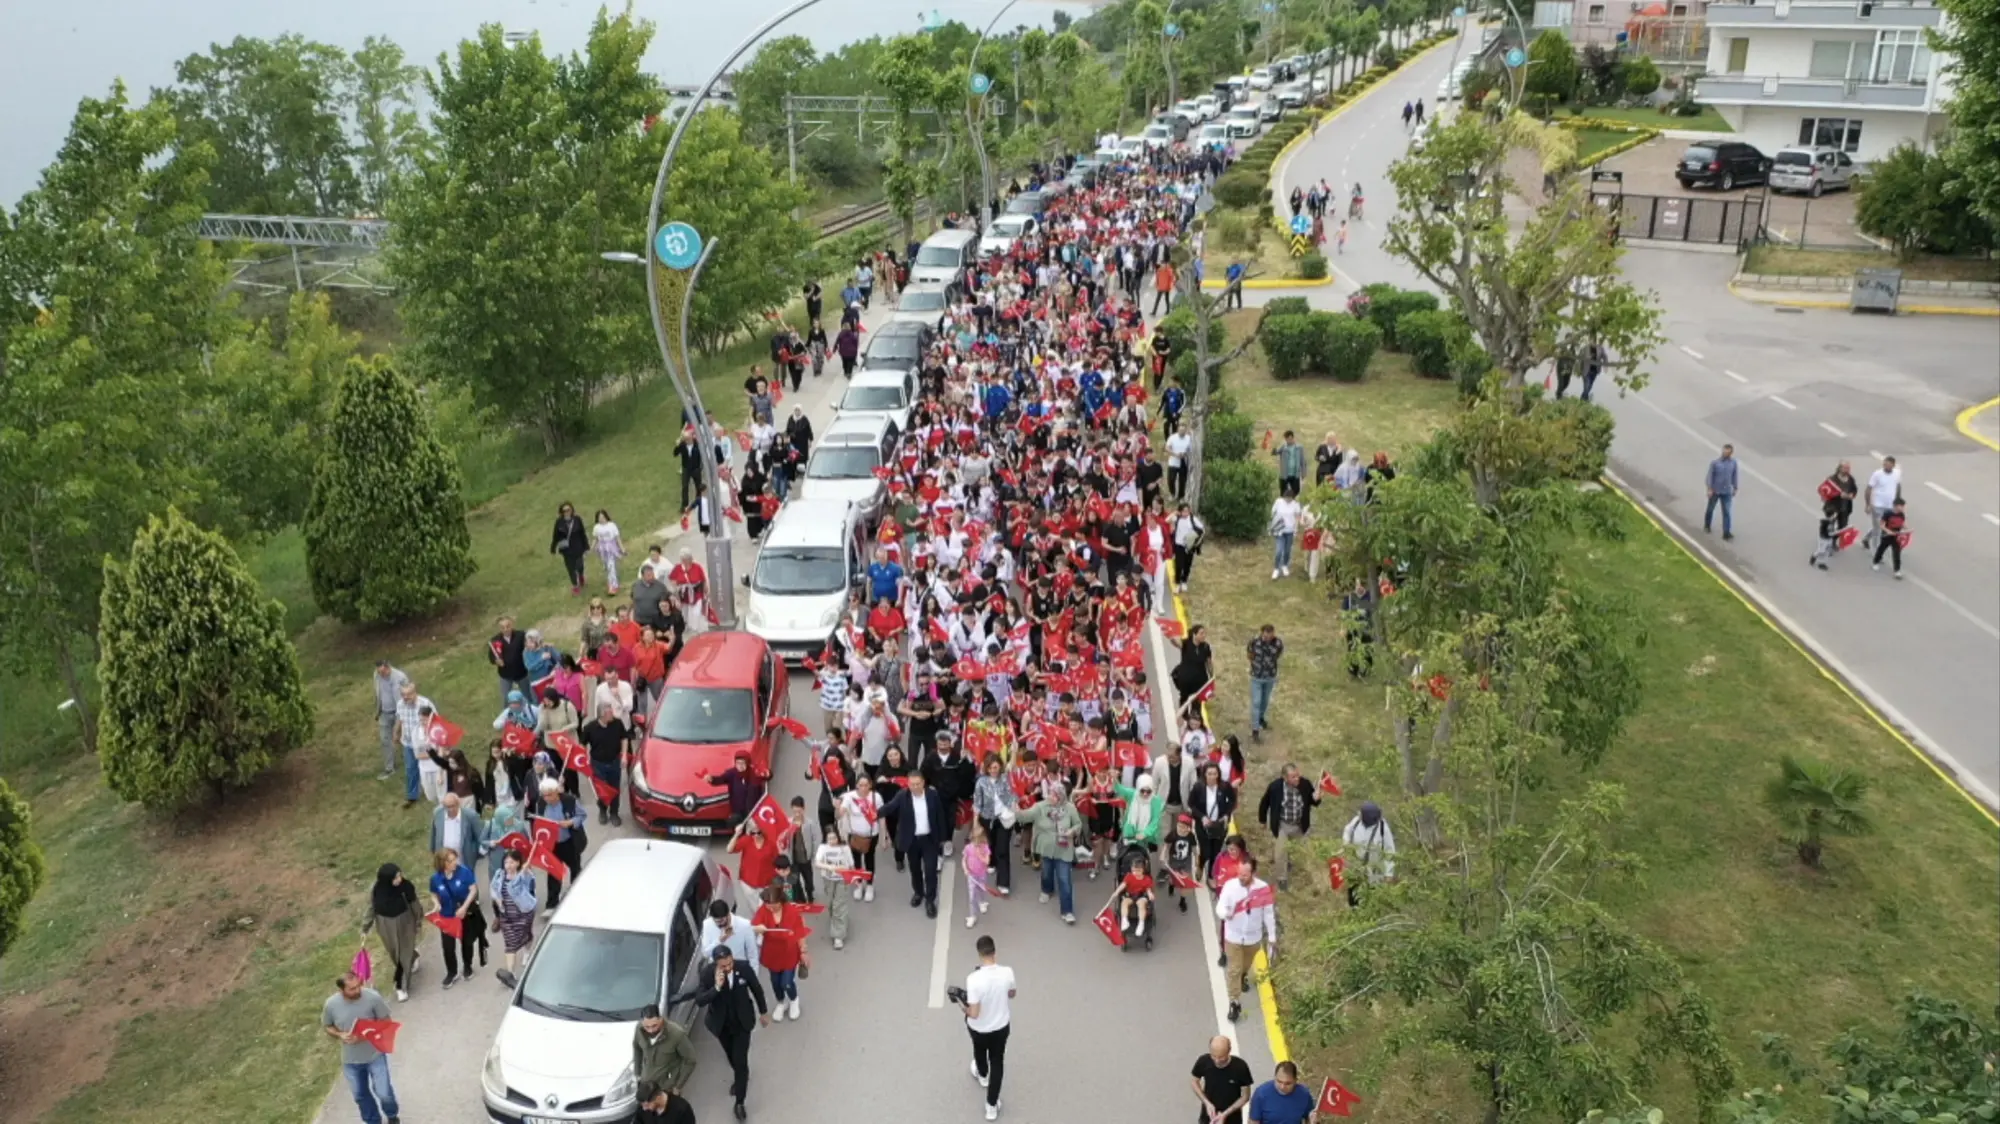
(1812, 800)
(385, 532)
(781, 66)
(1971, 37)
(271, 110)
(22, 868)
(1552, 68)
(1530, 295)
(108, 306)
(1642, 76)
(382, 96)
(1917, 202)
(202, 691)
(906, 74)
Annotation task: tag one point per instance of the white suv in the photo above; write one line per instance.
(1811, 170)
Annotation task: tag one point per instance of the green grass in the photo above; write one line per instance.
(1709, 120)
(1590, 142)
(1787, 261)
(1775, 947)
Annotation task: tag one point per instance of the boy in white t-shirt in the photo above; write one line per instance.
(988, 1003)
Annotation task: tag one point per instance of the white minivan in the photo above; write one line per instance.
(626, 936)
(944, 258)
(844, 459)
(810, 555)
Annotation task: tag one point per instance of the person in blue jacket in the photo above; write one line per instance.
(1172, 401)
(997, 398)
(455, 889)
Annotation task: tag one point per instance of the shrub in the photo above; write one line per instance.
(1388, 304)
(1584, 429)
(1235, 231)
(22, 869)
(1313, 266)
(1642, 77)
(1287, 306)
(1239, 188)
(1346, 346)
(385, 532)
(1227, 438)
(1469, 367)
(1182, 369)
(1387, 57)
(1909, 199)
(1178, 326)
(202, 690)
(1220, 401)
(1427, 336)
(1236, 497)
(1290, 343)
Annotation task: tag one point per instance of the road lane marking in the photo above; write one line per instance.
(1782, 402)
(1876, 455)
(941, 941)
(1734, 375)
(1692, 353)
(1832, 430)
(1992, 518)
(1945, 492)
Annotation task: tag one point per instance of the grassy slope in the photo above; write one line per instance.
(1708, 121)
(1786, 261)
(1777, 948)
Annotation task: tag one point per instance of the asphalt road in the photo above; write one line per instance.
(1796, 392)
(1099, 1034)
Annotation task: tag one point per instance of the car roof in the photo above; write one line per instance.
(855, 429)
(632, 885)
(717, 659)
(953, 238)
(804, 522)
(893, 376)
(901, 328)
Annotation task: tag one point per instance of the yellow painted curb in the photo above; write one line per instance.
(1738, 292)
(1965, 417)
(1818, 665)
(1276, 283)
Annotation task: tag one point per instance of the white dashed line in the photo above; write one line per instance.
(1832, 430)
(1734, 375)
(1991, 518)
(1875, 455)
(1945, 492)
(1692, 353)
(1782, 402)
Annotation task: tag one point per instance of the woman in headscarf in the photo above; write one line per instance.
(1348, 476)
(392, 913)
(1144, 814)
(1370, 844)
(514, 900)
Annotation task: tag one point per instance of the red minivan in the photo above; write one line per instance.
(720, 697)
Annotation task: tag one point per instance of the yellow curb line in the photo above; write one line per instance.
(1964, 421)
(1737, 291)
(1277, 283)
(1802, 650)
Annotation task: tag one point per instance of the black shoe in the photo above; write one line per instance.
(1235, 1011)
(1183, 901)
(916, 900)
(1728, 536)
(505, 977)
(603, 816)
(482, 956)
(1256, 734)
(899, 864)
(930, 910)
(1222, 961)
(615, 821)
(451, 980)
(741, 1112)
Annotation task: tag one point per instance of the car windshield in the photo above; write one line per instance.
(1158, 131)
(921, 300)
(872, 398)
(1703, 155)
(1799, 159)
(704, 716)
(1006, 228)
(843, 462)
(594, 975)
(794, 570)
(894, 347)
(938, 256)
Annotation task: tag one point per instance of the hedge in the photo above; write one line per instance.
(1347, 345)
(1227, 438)
(22, 866)
(1236, 497)
(1428, 337)
(1287, 306)
(1291, 344)
(1313, 266)
(1387, 304)
(1589, 427)
(1178, 326)
(1239, 188)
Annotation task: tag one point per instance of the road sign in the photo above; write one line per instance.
(1515, 57)
(677, 245)
(981, 84)
(933, 21)
(1300, 243)
(1301, 225)
(1458, 13)
(1172, 30)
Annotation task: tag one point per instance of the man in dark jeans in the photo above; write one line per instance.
(505, 651)
(734, 1004)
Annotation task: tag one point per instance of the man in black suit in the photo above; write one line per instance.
(923, 825)
(735, 1006)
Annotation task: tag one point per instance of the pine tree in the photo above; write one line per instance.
(202, 690)
(385, 531)
(21, 866)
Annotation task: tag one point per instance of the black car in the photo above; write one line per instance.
(1724, 164)
(898, 345)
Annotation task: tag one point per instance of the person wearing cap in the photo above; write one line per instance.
(663, 1062)
(734, 1006)
(1368, 841)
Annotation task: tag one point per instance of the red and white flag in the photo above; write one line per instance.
(1107, 923)
(1182, 880)
(1256, 899)
(379, 1033)
(571, 752)
(443, 732)
(1170, 627)
(516, 842)
(452, 927)
(1327, 784)
(1206, 693)
(1336, 1100)
(792, 726)
(1336, 872)
(517, 739)
(770, 818)
(855, 876)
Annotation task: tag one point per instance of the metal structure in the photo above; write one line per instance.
(1675, 218)
(976, 123)
(815, 115)
(293, 230)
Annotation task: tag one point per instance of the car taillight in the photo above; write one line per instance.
(1715, 165)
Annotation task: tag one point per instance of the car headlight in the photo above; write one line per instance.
(624, 1088)
(756, 616)
(491, 1077)
(830, 618)
(639, 774)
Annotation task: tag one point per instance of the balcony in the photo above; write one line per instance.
(1822, 13)
(1852, 93)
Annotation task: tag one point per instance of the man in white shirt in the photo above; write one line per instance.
(723, 929)
(616, 694)
(988, 1003)
(1178, 444)
(1284, 529)
(1884, 485)
(1249, 914)
(1188, 531)
(413, 733)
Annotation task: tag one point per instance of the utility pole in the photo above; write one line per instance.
(791, 147)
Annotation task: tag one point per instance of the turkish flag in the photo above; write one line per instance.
(1182, 880)
(687, 520)
(1328, 785)
(856, 877)
(968, 670)
(1439, 686)
(831, 772)
(732, 514)
(1267, 439)
(961, 812)
(1171, 628)
(1335, 1100)
(882, 472)
(543, 834)
(1256, 899)
(1846, 538)
(1097, 760)
(1336, 872)
(1127, 655)
(792, 726)
(935, 631)
(1312, 539)
(516, 842)
(453, 927)
(591, 668)
(517, 739)
(869, 812)
(743, 440)
(607, 792)
(1107, 923)
(379, 1033)
(771, 819)
(541, 685)
(1133, 755)
(1225, 867)
(810, 907)
(543, 858)
(574, 756)
(1903, 541)
(444, 733)
(1206, 693)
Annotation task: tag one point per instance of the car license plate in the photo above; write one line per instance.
(678, 829)
(548, 1120)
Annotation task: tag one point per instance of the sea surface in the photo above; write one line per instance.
(52, 54)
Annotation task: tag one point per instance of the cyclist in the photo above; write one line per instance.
(1354, 202)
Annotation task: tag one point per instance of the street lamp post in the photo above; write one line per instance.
(981, 85)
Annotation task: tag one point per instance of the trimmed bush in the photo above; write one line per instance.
(1388, 57)
(1235, 231)
(1313, 266)
(1227, 438)
(1236, 497)
(1291, 344)
(1221, 401)
(1240, 188)
(1347, 345)
(1587, 427)
(1427, 336)
(202, 690)
(1178, 326)
(1182, 368)
(22, 869)
(1287, 306)
(1387, 304)
(385, 532)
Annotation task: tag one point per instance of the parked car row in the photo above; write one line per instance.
(1728, 164)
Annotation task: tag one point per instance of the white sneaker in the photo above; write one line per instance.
(838, 944)
(402, 996)
(1044, 899)
(976, 1075)
(969, 922)
(947, 848)
(778, 1011)
(1069, 918)
(868, 892)
(992, 1111)
(983, 905)
(1288, 571)
(1274, 575)
(1877, 566)
(1124, 924)
(1141, 930)
(795, 1010)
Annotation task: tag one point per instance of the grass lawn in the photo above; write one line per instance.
(1271, 260)
(1787, 261)
(1775, 947)
(1709, 120)
(1590, 142)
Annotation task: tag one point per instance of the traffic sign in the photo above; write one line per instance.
(1515, 57)
(1301, 225)
(1458, 13)
(1172, 30)
(981, 84)
(677, 245)
(1300, 243)
(933, 21)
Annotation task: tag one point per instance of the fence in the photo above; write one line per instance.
(1826, 223)
(1676, 218)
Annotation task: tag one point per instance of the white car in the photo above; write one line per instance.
(889, 393)
(1157, 136)
(809, 557)
(625, 937)
(1192, 110)
(1243, 121)
(1132, 148)
(1003, 232)
(1216, 134)
(1260, 78)
(844, 459)
(922, 304)
(1293, 96)
(1210, 105)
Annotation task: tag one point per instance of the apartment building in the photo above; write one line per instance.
(1857, 75)
(1668, 31)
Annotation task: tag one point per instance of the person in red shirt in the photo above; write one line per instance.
(885, 620)
(649, 669)
(758, 866)
(690, 584)
(782, 928)
(1135, 899)
(614, 655)
(626, 629)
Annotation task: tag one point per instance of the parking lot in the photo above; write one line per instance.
(1792, 219)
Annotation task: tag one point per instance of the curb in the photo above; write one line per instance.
(1742, 294)
(1964, 422)
(1276, 283)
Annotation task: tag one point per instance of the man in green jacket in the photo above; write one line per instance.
(662, 1063)
(1058, 828)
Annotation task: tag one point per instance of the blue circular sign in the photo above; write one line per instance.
(1301, 225)
(1172, 30)
(677, 245)
(1515, 57)
(932, 22)
(981, 84)
(1458, 13)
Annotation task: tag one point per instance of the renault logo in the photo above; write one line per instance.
(550, 1101)
(688, 804)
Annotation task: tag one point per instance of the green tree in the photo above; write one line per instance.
(781, 66)
(1813, 800)
(108, 306)
(1917, 202)
(1401, 17)
(385, 532)
(271, 109)
(1642, 76)
(907, 76)
(728, 190)
(382, 95)
(1552, 68)
(1972, 40)
(202, 691)
(22, 869)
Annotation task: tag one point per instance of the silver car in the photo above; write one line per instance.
(1811, 170)
(922, 305)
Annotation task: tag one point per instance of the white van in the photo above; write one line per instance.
(944, 258)
(844, 459)
(626, 936)
(811, 554)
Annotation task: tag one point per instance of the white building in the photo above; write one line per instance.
(1853, 74)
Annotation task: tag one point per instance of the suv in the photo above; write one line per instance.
(1242, 121)
(720, 697)
(1723, 163)
(1812, 170)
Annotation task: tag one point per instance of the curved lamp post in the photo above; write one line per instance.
(1169, 32)
(981, 85)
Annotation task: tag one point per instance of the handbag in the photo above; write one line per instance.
(1006, 816)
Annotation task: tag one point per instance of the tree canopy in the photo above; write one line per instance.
(271, 110)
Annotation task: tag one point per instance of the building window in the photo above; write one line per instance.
(1901, 56)
(1841, 133)
(1680, 11)
(1739, 55)
(1836, 58)
(1595, 14)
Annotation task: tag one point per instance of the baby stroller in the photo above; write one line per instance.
(1135, 899)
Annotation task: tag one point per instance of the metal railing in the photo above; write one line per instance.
(1679, 218)
(293, 230)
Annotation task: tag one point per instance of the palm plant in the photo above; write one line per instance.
(1812, 800)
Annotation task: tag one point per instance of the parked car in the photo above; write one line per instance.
(1812, 170)
(844, 460)
(1243, 121)
(627, 935)
(1191, 109)
(809, 557)
(1210, 105)
(1214, 134)
(1157, 136)
(1132, 147)
(1272, 109)
(888, 393)
(897, 346)
(1003, 232)
(1293, 96)
(921, 304)
(1028, 203)
(1724, 164)
(720, 697)
(1261, 78)
(1175, 122)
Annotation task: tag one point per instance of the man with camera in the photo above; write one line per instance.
(988, 1002)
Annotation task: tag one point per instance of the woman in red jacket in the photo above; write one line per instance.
(782, 928)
